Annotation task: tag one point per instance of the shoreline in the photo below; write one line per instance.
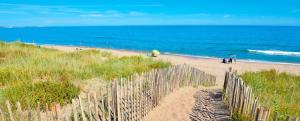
(209, 65)
(240, 60)
(176, 54)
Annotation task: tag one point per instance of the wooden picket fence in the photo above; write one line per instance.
(125, 99)
(242, 101)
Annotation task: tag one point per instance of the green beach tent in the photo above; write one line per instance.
(155, 53)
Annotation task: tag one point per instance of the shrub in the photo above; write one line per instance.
(126, 66)
(279, 91)
(28, 94)
(30, 69)
(238, 117)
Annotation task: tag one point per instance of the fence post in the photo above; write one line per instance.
(38, 111)
(89, 107)
(275, 116)
(74, 110)
(81, 109)
(29, 114)
(287, 118)
(96, 108)
(11, 116)
(19, 111)
(103, 117)
(2, 115)
(47, 113)
(108, 104)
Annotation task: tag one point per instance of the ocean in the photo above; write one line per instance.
(255, 43)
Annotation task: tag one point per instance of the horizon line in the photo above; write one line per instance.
(151, 25)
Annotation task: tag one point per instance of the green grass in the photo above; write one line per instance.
(279, 91)
(44, 92)
(28, 68)
(238, 117)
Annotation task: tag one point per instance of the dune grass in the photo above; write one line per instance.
(44, 92)
(42, 72)
(279, 91)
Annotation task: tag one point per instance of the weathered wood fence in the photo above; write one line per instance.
(242, 101)
(126, 99)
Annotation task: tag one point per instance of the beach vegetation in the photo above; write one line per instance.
(47, 92)
(238, 117)
(32, 74)
(279, 91)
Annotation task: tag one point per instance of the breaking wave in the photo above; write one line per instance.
(275, 52)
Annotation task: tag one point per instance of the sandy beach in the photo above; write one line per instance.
(184, 98)
(209, 65)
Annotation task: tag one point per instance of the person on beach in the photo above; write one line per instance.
(231, 59)
(224, 60)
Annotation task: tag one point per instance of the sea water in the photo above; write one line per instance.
(260, 43)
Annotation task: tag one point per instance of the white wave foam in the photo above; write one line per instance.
(276, 52)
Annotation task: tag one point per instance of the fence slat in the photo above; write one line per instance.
(19, 111)
(58, 112)
(11, 115)
(96, 107)
(47, 113)
(2, 115)
(103, 116)
(89, 107)
(288, 118)
(38, 111)
(81, 109)
(75, 115)
(29, 114)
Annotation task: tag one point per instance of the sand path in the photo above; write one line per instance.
(209, 106)
(190, 104)
(175, 107)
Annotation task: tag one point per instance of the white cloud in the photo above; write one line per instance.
(136, 5)
(48, 11)
(227, 15)
(199, 14)
(93, 15)
(135, 13)
(9, 12)
(111, 14)
(37, 9)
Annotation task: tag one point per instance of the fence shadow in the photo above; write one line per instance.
(209, 106)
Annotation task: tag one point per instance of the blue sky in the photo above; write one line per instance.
(148, 12)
